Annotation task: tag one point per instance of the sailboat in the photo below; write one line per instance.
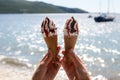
(104, 17)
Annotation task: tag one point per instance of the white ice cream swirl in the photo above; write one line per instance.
(71, 27)
(48, 28)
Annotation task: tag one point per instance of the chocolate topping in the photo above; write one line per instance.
(48, 27)
(72, 25)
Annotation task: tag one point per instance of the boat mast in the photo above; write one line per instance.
(99, 6)
(108, 6)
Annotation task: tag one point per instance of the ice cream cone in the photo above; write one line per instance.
(69, 42)
(49, 32)
(52, 44)
(70, 35)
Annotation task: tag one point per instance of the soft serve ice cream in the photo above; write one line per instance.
(49, 32)
(71, 32)
(71, 27)
(48, 28)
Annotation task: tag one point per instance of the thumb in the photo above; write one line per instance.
(58, 48)
(63, 52)
(48, 59)
(73, 57)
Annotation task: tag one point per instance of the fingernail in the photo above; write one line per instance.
(58, 47)
(49, 52)
(71, 50)
(63, 52)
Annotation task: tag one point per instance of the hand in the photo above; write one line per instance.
(74, 67)
(48, 68)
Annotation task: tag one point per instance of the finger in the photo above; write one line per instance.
(58, 58)
(58, 62)
(58, 48)
(79, 59)
(48, 59)
(69, 69)
(82, 74)
(81, 71)
(63, 62)
(63, 52)
(78, 75)
(44, 57)
(73, 57)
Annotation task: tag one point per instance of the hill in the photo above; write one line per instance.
(23, 6)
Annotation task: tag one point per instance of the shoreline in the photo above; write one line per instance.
(12, 72)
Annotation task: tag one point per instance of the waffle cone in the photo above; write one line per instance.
(52, 44)
(69, 42)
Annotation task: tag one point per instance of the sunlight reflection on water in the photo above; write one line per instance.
(98, 43)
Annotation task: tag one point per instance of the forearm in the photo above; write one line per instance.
(39, 73)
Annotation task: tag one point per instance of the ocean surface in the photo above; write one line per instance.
(22, 44)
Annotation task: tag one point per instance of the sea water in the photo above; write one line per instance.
(98, 44)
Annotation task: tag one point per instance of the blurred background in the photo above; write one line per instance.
(22, 45)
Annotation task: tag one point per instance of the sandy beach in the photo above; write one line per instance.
(13, 72)
(22, 46)
(9, 72)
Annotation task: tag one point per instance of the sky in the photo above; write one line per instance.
(88, 5)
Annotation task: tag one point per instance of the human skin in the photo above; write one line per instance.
(47, 68)
(74, 68)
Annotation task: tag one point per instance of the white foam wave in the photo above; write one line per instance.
(111, 51)
(99, 77)
(15, 61)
